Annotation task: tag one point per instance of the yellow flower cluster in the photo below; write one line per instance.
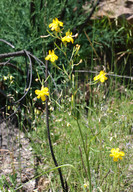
(101, 77)
(42, 93)
(51, 56)
(116, 154)
(55, 26)
(68, 38)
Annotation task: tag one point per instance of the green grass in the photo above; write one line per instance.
(106, 126)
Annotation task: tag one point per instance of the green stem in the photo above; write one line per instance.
(118, 170)
(115, 177)
(87, 157)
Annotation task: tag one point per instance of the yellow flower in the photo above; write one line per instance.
(42, 93)
(101, 77)
(116, 154)
(51, 56)
(68, 38)
(11, 77)
(55, 26)
(85, 185)
(5, 78)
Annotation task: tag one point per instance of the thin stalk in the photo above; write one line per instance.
(115, 177)
(87, 157)
(83, 161)
(64, 186)
(118, 170)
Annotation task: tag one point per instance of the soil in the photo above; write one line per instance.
(16, 156)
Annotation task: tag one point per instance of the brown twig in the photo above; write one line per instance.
(109, 74)
(2, 40)
(13, 54)
(92, 46)
(105, 176)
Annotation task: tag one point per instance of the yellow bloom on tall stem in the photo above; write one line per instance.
(42, 93)
(51, 56)
(116, 154)
(55, 26)
(101, 77)
(68, 38)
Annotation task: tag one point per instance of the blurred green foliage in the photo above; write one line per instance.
(23, 22)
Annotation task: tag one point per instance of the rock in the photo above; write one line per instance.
(113, 9)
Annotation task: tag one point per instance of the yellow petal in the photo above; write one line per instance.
(50, 25)
(122, 153)
(111, 155)
(37, 92)
(117, 149)
(38, 97)
(102, 73)
(47, 57)
(46, 88)
(96, 78)
(50, 52)
(102, 79)
(43, 98)
(113, 149)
